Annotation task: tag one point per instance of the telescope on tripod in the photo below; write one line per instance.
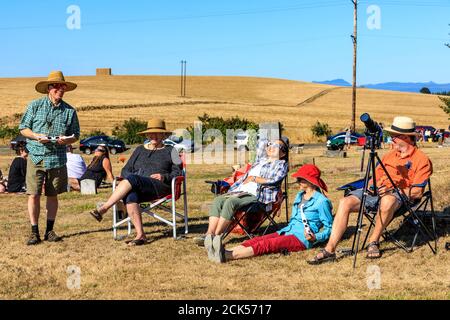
(373, 133)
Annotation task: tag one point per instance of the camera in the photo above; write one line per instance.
(371, 126)
(53, 139)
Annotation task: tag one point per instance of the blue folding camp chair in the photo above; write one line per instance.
(419, 210)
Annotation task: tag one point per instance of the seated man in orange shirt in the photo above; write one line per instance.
(408, 167)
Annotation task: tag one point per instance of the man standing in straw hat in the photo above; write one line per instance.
(409, 169)
(49, 124)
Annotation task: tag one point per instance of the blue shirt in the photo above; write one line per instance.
(318, 213)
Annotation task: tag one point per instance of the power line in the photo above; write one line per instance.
(403, 37)
(313, 5)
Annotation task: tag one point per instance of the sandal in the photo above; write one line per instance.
(96, 215)
(322, 256)
(373, 250)
(137, 242)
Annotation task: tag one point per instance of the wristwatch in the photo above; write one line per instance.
(254, 179)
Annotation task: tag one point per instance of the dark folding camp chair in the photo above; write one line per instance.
(251, 217)
(414, 215)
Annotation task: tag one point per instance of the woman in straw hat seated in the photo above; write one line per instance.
(147, 177)
(310, 223)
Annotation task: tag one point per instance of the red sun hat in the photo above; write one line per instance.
(311, 173)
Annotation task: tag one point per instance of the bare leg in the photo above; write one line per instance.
(34, 207)
(121, 191)
(74, 184)
(346, 206)
(52, 208)
(388, 206)
(239, 252)
(221, 225)
(212, 226)
(134, 212)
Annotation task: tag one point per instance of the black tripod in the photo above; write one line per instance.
(371, 133)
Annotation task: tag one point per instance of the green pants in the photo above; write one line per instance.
(225, 206)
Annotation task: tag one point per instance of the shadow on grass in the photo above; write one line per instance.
(408, 234)
(82, 233)
(167, 231)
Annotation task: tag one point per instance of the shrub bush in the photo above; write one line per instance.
(446, 106)
(9, 132)
(223, 125)
(321, 129)
(92, 133)
(128, 131)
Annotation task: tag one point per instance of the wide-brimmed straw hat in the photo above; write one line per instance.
(402, 125)
(55, 77)
(311, 173)
(155, 126)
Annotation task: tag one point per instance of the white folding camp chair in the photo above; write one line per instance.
(167, 204)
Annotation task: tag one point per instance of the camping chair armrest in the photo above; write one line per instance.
(218, 189)
(177, 179)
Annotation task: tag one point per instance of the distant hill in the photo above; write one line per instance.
(336, 82)
(394, 86)
(410, 87)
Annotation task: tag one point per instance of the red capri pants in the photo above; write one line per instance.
(274, 243)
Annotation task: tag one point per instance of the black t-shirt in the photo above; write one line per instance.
(17, 174)
(143, 162)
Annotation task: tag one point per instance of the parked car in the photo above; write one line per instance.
(424, 128)
(180, 144)
(241, 140)
(337, 141)
(114, 146)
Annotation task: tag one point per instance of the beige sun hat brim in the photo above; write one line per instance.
(394, 131)
(42, 86)
(402, 125)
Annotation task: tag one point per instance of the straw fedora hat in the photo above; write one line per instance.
(53, 78)
(402, 125)
(155, 126)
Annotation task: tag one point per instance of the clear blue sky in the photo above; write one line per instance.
(300, 40)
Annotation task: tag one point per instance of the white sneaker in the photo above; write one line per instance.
(219, 251)
(209, 246)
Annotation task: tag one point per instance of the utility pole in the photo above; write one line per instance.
(183, 78)
(185, 62)
(355, 47)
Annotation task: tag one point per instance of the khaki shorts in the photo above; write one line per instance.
(54, 181)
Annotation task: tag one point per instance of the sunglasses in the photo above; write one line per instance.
(101, 150)
(58, 86)
(274, 144)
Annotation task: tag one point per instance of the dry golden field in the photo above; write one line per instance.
(169, 269)
(258, 99)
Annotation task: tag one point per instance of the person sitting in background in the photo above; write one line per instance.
(147, 176)
(3, 183)
(76, 167)
(310, 224)
(18, 171)
(99, 169)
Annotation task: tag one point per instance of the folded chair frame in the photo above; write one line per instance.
(167, 204)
